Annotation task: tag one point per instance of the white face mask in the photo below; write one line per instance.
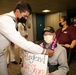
(74, 20)
(48, 38)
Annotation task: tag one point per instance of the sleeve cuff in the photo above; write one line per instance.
(44, 51)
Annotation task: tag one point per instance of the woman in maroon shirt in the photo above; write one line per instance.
(65, 35)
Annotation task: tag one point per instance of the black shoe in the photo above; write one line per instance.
(7, 65)
(14, 62)
(20, 60)
(19, 73)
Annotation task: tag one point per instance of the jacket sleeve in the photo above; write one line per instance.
(63, 66)
(7, 28)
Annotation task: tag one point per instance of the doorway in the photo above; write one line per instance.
(40, 24)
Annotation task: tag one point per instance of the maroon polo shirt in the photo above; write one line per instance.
(73, 28)
(66, 36)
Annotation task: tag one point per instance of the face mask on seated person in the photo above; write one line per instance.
(21, 20)
(48, 38)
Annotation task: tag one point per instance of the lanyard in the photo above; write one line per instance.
(52, 45)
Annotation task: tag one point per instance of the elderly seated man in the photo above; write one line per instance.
(57, 62)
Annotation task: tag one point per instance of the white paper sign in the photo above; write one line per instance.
(35, 64)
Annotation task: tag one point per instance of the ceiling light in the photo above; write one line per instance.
(46, 11)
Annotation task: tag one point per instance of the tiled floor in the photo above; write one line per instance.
(15, 69)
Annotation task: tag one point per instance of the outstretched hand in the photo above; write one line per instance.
(49, 52)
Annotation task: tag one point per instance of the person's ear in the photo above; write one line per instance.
(17, 10)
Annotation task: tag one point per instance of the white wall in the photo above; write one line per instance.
(53, 19)
(30, 30)
(63, 13)
(34, 26)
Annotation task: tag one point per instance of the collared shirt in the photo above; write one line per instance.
(7, 28)
(73, 28)
(66, 36)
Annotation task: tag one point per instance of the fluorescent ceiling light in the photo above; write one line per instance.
(46, 11)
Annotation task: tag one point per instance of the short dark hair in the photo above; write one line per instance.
(65, 18)
(23, 6)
